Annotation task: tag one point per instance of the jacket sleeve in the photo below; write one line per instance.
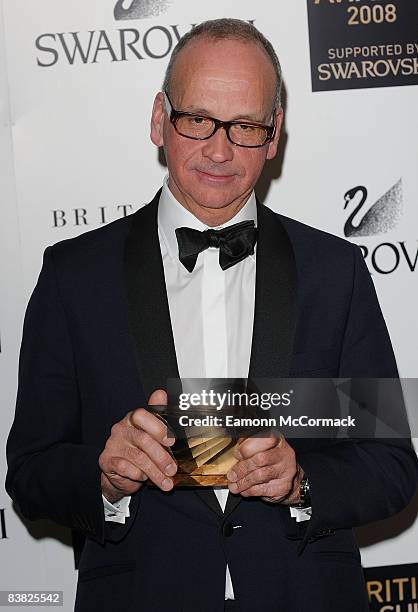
(51, 473)
(354, 482)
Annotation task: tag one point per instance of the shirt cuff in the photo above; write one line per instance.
(118, 511)
(301, 514)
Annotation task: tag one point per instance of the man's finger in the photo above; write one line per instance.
(252, 445)
(123, 473)
(272, 456)
(118, 468)
(155, 427)
(158, 398)
(142, 442)
(278, 490)
(257, 476)
(155, 475)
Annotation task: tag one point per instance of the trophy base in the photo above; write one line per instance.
(200, 480)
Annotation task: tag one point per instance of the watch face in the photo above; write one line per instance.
(305, 500)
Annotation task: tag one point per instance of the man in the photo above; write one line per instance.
(119, 310)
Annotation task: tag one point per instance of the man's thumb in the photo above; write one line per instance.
(158, 398)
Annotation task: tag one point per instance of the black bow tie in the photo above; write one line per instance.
(235, 243)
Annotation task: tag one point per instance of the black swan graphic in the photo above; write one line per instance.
(139, 9)
(380, 218)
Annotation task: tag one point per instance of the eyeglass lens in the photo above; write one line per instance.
(198, 127)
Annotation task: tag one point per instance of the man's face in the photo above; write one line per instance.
(228, 80)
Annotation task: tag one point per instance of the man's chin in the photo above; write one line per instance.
(215, 197)
(209, 202)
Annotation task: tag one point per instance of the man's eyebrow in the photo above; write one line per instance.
(202, 111)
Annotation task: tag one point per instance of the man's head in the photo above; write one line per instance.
(227, 70)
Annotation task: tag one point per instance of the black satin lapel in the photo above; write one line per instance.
(231, 503)
(275, 299)
(207, 495)
(275, 306)
(148, 310)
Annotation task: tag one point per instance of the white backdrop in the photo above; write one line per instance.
(74, 138)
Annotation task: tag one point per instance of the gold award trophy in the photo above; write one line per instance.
(204, 453)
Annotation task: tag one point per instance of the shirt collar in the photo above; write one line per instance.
(172, 214)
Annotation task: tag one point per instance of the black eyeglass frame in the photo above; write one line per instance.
(175, 115)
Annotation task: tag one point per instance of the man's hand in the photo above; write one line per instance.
(135, 452)
(267, 468)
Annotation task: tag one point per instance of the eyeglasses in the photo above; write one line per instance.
(202, 127)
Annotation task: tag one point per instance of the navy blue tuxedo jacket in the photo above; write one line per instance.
(98, 340)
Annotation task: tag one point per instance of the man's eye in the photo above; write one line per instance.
(197, 120)
(245, 127)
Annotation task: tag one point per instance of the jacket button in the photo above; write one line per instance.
(227, 530)
(325, 532)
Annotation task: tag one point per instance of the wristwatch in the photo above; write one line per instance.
(304, 494)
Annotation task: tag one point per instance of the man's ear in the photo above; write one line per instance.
(272, 148)
(157, 120)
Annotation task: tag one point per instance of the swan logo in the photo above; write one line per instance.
(139, 9)
(379, 218)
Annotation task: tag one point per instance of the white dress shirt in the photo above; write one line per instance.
(211, 311)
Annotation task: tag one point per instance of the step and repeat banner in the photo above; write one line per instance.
(77, 83)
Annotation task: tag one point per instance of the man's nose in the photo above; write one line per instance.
(218, 148)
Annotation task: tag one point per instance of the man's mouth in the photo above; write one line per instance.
(212, 177)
